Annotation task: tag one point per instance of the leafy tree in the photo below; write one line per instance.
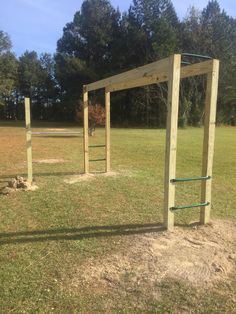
(5, 42)
(8, 77)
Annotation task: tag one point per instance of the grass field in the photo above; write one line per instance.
(45, 235)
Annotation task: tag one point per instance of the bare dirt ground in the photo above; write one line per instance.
(49, 161)
(90, 176)
(200, 256)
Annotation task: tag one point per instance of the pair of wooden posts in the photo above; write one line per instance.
(169, 70)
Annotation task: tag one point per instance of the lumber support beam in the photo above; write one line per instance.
(171, 139)
(28, 140)
(143, 72)
(209, 139)
(86, 150)
(108, 130)
(153, 73)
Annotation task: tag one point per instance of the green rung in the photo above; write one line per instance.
(190, 179)
(186, 54)
(190, 206)
(97, 159)
(185, 62)
(97, 145)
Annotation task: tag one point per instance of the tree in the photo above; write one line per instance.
(5, 42)
(8, 77)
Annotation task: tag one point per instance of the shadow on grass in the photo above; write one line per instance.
(7, 177)
(77, 233)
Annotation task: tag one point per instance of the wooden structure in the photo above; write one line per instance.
(169, 70)
(29, 135)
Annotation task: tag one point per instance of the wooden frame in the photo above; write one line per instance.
(167, 70)
(29, 135)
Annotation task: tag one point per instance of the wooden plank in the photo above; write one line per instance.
(195, 69)
(28, 140)
(158, 77)
(209, 138)
(86, 151)
(153, 73)
(108, 131)
(151, 79)
(171, 139)
(137, 73)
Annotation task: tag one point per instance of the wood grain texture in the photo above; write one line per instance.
(171, 139)
(28, 140)
(209, 139)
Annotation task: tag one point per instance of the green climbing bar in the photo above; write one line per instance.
(186, 54)
(92, 146)
(190, 179)
(102, 159)
(190, 206)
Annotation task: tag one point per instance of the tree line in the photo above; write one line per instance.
(100, 41)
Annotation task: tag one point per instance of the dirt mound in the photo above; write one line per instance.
(200, 256)
(49, 161)
(18, 184)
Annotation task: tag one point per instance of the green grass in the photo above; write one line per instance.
(58, 220)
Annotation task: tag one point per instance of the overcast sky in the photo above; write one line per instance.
(37, 24)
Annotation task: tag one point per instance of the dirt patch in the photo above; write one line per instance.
(18, 184)
(49, 161)
(90, 176)
(200, 256)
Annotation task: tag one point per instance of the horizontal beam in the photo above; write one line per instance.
(160, 77)
(152, 73)
(55, 133)
(195, 69)
(135, 74)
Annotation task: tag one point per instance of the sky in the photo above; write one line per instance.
(38, 24)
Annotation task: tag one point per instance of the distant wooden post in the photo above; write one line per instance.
(86, 152)
(171, 138)
(28, 140)
(209, 138)
(108, 130)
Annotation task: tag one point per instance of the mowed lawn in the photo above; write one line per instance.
(47, 234)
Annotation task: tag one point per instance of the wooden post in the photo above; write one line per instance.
(209, 138)
(86, 152)
(28, 140)
(171, 138)
(108, 130)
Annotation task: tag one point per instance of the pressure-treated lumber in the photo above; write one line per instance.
(171, 139)
(195, 69)
(138, 73)
(209, 138)
(28, 140)
(158, 75)
(108, 130)
(86, 151)
(169, 70)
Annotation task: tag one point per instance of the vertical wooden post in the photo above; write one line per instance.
(209, 138)
(108, 130)
(86, 152)
(28, 140)
(171, 138)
